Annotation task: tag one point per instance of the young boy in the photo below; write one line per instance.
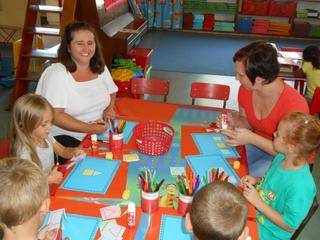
(24, 200)
(218, 212)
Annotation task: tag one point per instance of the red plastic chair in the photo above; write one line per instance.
(314, 106)
(210, 91)
(4, 148)
(141, 86)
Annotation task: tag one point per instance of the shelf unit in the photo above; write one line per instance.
(286, 24)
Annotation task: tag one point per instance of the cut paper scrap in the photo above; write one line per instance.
(172, 227)
(77, 226)
(110, 230)
(55, 218)
(133, 157)
(96, 183)
(207, 144)
(200, 164)
(175, 171)
(127, 132)
(90, 172)
(110, 212)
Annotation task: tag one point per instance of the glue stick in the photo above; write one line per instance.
(94, 142)
(131, 214)
(224, 121)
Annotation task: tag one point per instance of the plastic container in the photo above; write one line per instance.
(255, 7)
(149, 201)
(184, 203)
(153, 138)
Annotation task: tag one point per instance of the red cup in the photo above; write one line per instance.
(115, 141)
(184, 203)
(149, 201)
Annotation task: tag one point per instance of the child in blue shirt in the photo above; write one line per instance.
(284, 196)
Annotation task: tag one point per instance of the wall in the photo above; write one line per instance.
(12, 13)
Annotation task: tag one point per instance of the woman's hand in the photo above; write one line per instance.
(238, 136)
(249, 180)
(252, 195)
(97, 127)
(55, 176)
(109, 112)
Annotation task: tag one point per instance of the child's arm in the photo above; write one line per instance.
(252, 195)
(66, 152)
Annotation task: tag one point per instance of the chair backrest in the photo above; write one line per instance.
(210, 91)
(291, 49)
(314, 106)
(4, 148)
(312, 210)
(141, 86)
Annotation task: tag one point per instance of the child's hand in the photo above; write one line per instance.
(55, 176)
(77, 152)
(45, 234)
(251, 194)
(238, 136)
(248, 180)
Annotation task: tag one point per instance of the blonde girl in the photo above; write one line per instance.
(284, 196)
(30, 138)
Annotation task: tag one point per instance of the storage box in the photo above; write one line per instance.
(141, 56)
(282, 9)
(255, 7)
(301, 29)
(124, 88)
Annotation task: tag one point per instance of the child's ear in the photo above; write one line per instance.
(187, 223)
(245, 233)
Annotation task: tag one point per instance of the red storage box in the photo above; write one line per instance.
(282, 9)
(255, 7)
(141, 56)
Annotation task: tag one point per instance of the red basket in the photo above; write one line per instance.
(153, 138)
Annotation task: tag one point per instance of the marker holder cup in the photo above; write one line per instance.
(184, 203)
(115, 141)
(149, 201)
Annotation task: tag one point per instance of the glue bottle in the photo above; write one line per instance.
(224, 121)
(131, 214)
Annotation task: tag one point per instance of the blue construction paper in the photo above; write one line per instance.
(78, 226)
(127, 133)
(144, 224)
(191, 116)
(106, 169)
(172, 227)
(201, 163)
(208, 145)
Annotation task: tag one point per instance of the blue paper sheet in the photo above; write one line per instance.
(201, 163)
(78, 226)
(212, 143)
(172, 227)
(192, 116)
(92, 175)
(127, 133)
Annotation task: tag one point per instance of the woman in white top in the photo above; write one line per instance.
(79, 87)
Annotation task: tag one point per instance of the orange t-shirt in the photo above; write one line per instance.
(289, 101)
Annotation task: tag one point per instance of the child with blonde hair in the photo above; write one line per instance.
(30, 138)
(218, 212)
(284, 196)
(24, 200)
